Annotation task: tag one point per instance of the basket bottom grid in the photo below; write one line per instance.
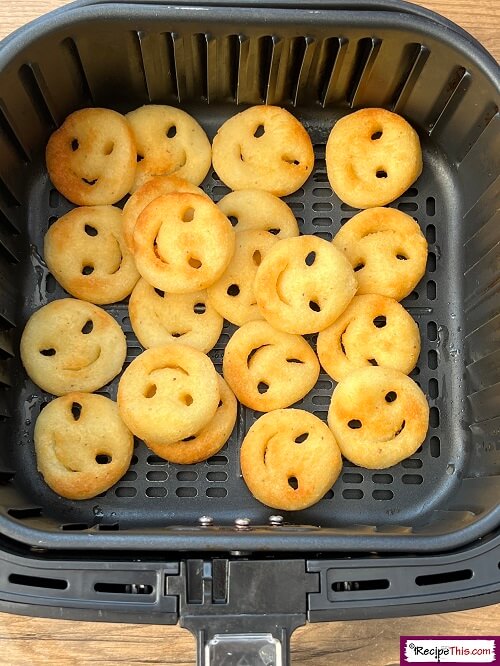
(155, 493)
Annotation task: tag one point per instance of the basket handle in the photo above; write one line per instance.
(250, 649)
(242, 611)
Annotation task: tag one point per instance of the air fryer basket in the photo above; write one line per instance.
(321, 62)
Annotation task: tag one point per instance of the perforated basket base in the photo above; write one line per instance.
(156, 493)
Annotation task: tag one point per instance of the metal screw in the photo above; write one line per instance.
(240, 553)
(206, 521)
(276, 521)
(242, 523)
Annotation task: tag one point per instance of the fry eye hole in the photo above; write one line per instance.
(103, 459)
(76, 410)
(48, 352)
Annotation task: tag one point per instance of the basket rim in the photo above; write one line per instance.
(259, 538)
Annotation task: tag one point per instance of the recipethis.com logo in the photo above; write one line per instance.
(449, 650)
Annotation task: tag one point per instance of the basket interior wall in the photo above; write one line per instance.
(211, 69)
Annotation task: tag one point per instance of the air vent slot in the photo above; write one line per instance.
(8, 129)
(418, 55)
(366, 53)
(38, 581)
(450, 96)
(360, 585)
(445, 577)
(24, 514)
(72, 49)
(7, 196)
(36, 88)
(123, 588)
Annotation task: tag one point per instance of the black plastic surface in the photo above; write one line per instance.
(321, 64)
(222, 597)
(226, 594)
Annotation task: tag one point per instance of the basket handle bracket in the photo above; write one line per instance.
(242, 612)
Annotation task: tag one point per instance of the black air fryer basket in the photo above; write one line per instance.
(176, 543)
